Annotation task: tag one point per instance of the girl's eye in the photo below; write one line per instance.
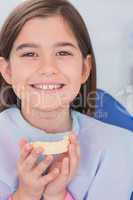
(64, 53)
(29, 54)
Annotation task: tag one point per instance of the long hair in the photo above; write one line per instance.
(30, 9)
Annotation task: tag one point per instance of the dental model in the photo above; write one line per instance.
(53, 147)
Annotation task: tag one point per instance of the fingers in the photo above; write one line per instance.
(74, 142)
(44, 180)
(29, 156)
(73, 139)
(65, 167)
(70, 162)
(25, 151)
(74, 155)
(63, 174)
(23, 142)
(43, 165)
(32, 158)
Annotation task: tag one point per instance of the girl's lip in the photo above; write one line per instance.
(47, 82)
(48, 90)
(33, 85)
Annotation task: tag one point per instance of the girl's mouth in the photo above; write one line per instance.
(48, 88)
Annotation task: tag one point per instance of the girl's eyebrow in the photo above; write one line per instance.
(33, 45)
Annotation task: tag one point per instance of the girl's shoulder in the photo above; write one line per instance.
(4, 118)
(8, 150)
(87, 122)
(106, 155)
(6, 115)
(103, 134)
(8, 119)
(7, 111)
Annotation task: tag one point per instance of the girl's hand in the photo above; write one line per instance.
(67, 164)
(31, 181)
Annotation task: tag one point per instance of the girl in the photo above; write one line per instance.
(48, 85)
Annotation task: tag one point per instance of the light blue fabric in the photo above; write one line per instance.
(106, 167)
(109, 110)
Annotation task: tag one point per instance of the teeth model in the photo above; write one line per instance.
(53, 147)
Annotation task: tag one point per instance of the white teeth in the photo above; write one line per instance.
(47, 87)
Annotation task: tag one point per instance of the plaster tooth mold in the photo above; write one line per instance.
(57, 147)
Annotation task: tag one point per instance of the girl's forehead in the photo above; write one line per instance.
(49, 29)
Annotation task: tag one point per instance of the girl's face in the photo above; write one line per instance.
(46, 53)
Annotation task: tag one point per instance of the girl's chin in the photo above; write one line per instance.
(48, 104)
(48, 108)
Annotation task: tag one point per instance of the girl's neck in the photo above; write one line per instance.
(55, 121)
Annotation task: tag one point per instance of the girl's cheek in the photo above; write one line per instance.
(29, 65)
(66, 60)
(69, 65)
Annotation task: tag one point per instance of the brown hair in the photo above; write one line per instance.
(44, 8)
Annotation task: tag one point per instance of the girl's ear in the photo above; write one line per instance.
(87, 65)
(5, 70)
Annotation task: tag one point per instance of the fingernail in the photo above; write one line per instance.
(49, 158)
(28, 147)
(73, 138)
(39, 150)
(22, 142)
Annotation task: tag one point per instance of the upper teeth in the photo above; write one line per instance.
(46, 87)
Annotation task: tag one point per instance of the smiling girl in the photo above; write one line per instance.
(47, 65)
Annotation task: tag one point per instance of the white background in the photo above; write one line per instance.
(110, 24)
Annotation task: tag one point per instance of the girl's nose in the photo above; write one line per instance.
(48, 67)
